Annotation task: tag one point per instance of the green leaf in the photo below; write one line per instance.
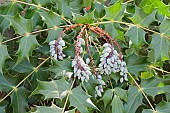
(26, 45)
(142, 18)
(87, 3)
(76, 5)
(23, 67)
(160, 47)
(2, 109)
(121, 93)
(150, 5)
(70, 50)
(111, 30)
(88, 18)
(72, 111)
(165, 27)
(52, 89)
(107, 96)
(53, 34)
(136, 64)
(151, 88)
(60, 66)
(4, 84)
(20, 24)
(8, 8)
(117, 105)
(45, 109)
(134, 99)
(4, 54)
(162, 107)
(19, 100)
(118, 10)
(81, 100)
(99, 10)
(51, 20)
(148, 74)
(136, 35)
(64, 8)
(42, 2)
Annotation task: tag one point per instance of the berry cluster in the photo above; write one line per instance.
(56, 49)
(110, 61)
(81, 70)
(99, 88)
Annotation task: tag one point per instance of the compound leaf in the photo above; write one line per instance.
(4, 84)
(107, 96)
(115, 12)
(26, 45)
(45, 109)
(142, 18)
(121, 93)
(136, 35)
(52, 89)
(20, 24)
(162, 107)
(136, 63)
(151, 86)
(81, 100)
(117, 105)
(8, 8)
(134, 99)
(3, 56)
(60, 66)
(19, 100)
(87, 18)
(64, 8)
(51, 20)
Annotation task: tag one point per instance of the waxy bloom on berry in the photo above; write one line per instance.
(81, 70)
(111, 62)
(56, 49)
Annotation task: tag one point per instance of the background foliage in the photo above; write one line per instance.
(30, 81)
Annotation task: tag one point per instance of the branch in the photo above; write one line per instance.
(142, 93)
(34, 32)
(130, 24)
(15, 87)
(40, 7)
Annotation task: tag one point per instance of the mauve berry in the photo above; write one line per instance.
(56, 49)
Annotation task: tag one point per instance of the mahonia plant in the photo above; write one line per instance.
(110, 61)
(84, 56)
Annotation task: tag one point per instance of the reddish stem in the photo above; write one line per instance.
(91, 58)
(103, 32)
(67, 29)
(101, 35)
(79, 36)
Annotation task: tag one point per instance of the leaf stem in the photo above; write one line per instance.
(130, 24)
(15, 87)
(68, 95)
(153, 67)
(41, 7)
(111, 82)
(34, 32)
(88, 49)
(143, 93)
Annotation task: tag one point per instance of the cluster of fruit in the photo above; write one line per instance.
(110, 59)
